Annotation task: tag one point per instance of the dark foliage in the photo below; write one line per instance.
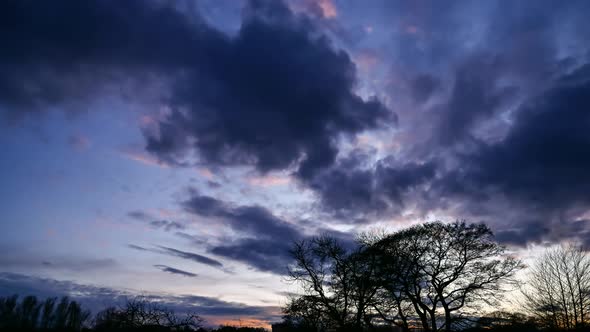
(30, 314)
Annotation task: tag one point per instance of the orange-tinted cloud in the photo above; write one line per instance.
(269, 180)
(142, 158)
(243, 321)
(328, 8)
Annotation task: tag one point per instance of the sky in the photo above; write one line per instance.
(176, 150)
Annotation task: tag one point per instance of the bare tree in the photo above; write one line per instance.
(430, 275)
(444, 270)
(391, 303)
(140, 313)
(558, 289)
(337, 285)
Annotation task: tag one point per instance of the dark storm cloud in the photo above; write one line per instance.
(469, 147)
(172, 270)
(252, 220)
(261, 254)
(272, 254)
(541, 166)
(423, 87)
(279, 95)
(476, 95)
(98, 298)
(546, 230)
(266, 239)
(353, 190)
(543, 160)
(487, 57)
(525, 232)
(275, 95)
(62, 53)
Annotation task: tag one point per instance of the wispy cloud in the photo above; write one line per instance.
(191, 256)
(172, 270)
(181, 254)
(141, 157)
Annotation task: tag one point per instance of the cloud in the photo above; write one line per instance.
(289, 116)
(423, 86)
(167, 225)
(355, 190)
(250, 109)
(148, 218)
(265, 238)
(491, 124)
(139, 215)
(540, 166)
(136, 247)
(261, 254)
(542, 159)
(182, 254)
(477, 94)
(249, 220)
(97, 298)
(172, 270)
(191, 256)
(80, 59)
(15, 259)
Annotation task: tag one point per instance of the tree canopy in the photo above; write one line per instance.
(431, 275)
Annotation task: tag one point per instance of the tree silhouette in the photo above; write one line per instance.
(30, 314)
(141, 315)
(432, 274)
(339, 286)
(444, 267)
(558, 290)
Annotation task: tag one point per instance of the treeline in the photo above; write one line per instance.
(50, 314)
(430, 277)
(433, 277)
(138, 315)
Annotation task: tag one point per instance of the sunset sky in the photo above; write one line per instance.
(177, 149)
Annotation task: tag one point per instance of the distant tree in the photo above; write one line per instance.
(47, 313)
(141, 315)
(8, 312)
(229, 328)
(443, 270)
(30, 314)
(558, 288)
(505, 322)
